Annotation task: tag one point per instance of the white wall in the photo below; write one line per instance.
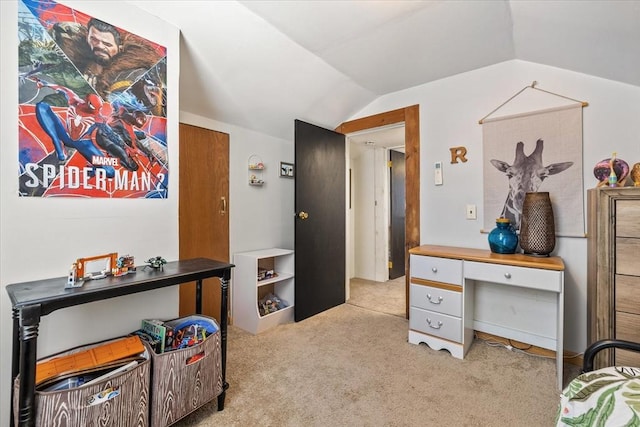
(449, 112)
(41, 237)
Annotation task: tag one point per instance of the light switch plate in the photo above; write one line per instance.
(471, 212)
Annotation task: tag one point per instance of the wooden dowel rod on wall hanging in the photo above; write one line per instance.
(531, 86)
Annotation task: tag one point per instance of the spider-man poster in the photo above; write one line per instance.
(92, 107)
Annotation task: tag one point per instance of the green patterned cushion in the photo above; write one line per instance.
(605, 397)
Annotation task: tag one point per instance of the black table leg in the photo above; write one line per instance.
(15, 357)
(29, 323)
(199, 296)
(224, 302)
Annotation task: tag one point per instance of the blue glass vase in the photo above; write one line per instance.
(503, 239)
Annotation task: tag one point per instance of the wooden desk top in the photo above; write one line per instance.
(485, 255)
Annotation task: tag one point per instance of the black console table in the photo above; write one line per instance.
(32, 300)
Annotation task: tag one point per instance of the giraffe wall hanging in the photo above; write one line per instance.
(535, 151)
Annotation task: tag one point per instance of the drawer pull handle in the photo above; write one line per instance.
(430, 298)
(507, 275)
(434, 327)
(434, 269)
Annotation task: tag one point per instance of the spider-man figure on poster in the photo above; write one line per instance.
(86, 129)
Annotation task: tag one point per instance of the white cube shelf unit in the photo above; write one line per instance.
(248, 290)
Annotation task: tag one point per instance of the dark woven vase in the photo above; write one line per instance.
(537, 227)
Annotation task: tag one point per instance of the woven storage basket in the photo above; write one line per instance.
(177, 389)
(71, 408)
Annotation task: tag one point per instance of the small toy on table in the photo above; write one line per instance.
(124, 265)
(156, 263)
(72, 278)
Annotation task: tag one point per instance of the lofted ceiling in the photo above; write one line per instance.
(262, 64)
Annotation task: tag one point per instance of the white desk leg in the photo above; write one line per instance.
(560, 336)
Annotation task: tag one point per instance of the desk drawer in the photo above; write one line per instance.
(435, 299)
(546, 280)
(432, 323)
(443, 270)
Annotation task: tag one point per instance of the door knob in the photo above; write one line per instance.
(303, 215)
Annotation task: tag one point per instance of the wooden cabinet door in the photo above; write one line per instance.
(203, 209)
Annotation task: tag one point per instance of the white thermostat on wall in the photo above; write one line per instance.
(438, 173)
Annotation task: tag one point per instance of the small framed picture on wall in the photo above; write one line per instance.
(286, 170)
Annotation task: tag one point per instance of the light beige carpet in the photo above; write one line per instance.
(351, 366)
(386, 297)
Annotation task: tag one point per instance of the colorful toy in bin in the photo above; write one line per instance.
(191, 330)
(271, 303)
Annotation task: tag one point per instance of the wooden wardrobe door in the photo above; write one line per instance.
(203, 209)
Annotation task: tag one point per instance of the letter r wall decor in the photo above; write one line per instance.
(536, 151)
(92, 115)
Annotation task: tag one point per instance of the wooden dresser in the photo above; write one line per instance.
(613, 272)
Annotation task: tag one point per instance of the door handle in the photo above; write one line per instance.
(223, 205)
(303, 215)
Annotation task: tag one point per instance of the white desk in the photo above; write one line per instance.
(443, 300)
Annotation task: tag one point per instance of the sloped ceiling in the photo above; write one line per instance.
(262, 64)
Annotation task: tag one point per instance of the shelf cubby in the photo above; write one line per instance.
(248, 290)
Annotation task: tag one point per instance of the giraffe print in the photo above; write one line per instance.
(525, 176)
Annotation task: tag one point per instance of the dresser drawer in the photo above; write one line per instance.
(435, 299)
(627, 218)
(626, 253)
(443, 270)
(546, 280)
(432, 323)
(627, 326)
(626, 358)
(628, 294)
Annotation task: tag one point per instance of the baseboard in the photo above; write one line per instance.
(569, 357)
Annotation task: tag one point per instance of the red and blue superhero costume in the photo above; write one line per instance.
(86, 129)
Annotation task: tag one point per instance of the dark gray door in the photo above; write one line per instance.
(320, 219)
(397, 195)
